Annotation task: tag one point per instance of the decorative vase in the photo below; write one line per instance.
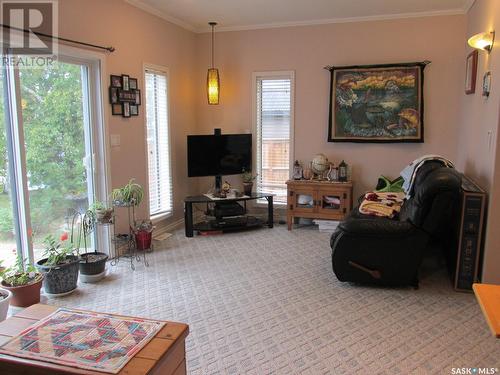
(25, 295)
(4, 303)
(247, 188)
(61, 278)
(143, 239)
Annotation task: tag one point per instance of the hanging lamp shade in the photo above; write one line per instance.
(213, 82)
(213, 86)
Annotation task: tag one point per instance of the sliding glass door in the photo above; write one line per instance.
(53, 138)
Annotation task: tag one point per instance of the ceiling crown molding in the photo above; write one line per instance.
(449, 12)
(156, 12)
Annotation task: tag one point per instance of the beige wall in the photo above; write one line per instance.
(478, 129)
(139, 38)
(306, 50)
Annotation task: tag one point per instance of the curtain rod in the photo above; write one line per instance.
(109, 49)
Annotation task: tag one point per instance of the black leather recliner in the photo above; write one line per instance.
(382, 251)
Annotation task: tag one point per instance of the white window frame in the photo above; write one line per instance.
(99, 161)
(277, 74)
(165, 71)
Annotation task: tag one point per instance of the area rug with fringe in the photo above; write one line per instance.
(85, 340)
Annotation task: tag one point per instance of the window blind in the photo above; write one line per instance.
(273, 126)
(160, 177)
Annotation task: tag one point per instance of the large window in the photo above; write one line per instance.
(50, 136)
(160, 179)
(274, 130)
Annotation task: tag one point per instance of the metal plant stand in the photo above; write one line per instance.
(124, 244)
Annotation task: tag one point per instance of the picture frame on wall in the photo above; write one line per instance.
(486, 84)
(471, 72)
(137, 97)
(377, 103)
(117, 109)
(126, 109)
(132, 82)
(116, 81)
(134, 110)
(125, 82)
(113, 95)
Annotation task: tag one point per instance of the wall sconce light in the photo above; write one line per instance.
(482, 41)
(213, 82)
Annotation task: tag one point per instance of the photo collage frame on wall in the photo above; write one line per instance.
(124, 96)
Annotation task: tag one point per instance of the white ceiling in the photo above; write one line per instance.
(231, 15)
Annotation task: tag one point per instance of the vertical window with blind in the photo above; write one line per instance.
(274, 126)
(157, 118)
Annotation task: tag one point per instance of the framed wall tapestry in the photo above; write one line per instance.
(377, 103)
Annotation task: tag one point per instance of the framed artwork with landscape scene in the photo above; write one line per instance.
(377, 103)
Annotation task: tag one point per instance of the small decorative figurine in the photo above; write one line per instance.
(225, 189)
(308, 174)
(297, 171)
(342, 171)
(333, 173)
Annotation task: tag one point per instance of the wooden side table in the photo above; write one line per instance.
(165, 354)
(488, 296)
(318, 200)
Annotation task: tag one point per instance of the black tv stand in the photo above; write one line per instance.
(225, 224)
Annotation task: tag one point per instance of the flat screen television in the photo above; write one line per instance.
(219, 155)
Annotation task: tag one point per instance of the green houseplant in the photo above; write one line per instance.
(59, 265)
(23, 282)
(129, 195)
(103, 213)
(248, 179)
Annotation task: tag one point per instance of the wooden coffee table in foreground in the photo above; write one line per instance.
(164, 355)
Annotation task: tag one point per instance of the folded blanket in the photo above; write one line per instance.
(382, 204)
(410, 171)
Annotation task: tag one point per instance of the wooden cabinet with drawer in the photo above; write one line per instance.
(318, 200)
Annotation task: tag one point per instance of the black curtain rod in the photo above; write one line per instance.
(109, 49)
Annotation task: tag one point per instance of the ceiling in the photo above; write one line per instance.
(232, 15)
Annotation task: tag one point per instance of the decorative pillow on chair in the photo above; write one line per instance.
(384, 185)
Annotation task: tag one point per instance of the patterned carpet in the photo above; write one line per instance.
(266, 301)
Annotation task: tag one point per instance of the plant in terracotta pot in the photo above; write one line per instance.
(129, 195)
(59, 265)
(248, 179)
(92, 264)
(24, 282)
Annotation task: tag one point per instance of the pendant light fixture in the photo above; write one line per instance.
(213, 83)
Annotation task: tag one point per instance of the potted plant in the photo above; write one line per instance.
(92, 264)
(248, 179)
(143, 234)
(5, 296)
(23, 282)
(60, 265)
(103, 213)
(129, 195)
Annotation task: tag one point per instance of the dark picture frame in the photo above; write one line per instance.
(381, 103)
(116, 81)
(137, 97)
(125, 82)
(117, 109)
(132, 82)
(471, 72)
(124, 93)
(113, 95)
(126, 109)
